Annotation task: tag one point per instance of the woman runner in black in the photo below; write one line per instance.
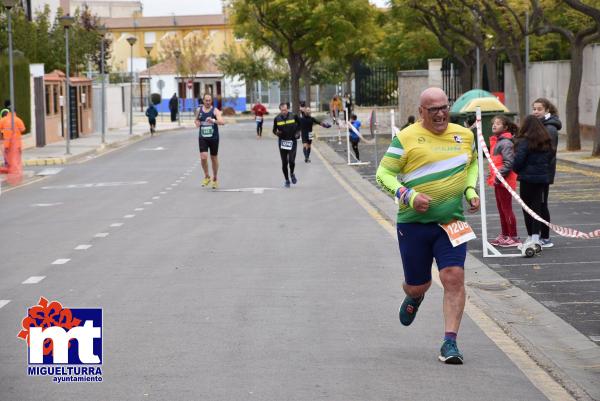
(306, 125)
(285, 126)
(208, 120)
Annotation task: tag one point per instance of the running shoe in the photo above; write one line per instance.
(287, 183)
(205, 181)
(496, 241)
(215, 184)
(408, 310)
(509, 242)
(294, 179)
(546, 243)
(450, 354)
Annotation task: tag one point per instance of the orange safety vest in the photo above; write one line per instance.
(7, 132)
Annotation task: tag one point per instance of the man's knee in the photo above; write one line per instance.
(204, 156)
(416, 291)
(452, 278)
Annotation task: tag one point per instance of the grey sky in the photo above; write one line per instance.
(194, 7)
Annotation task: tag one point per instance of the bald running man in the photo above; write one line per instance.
(437, 165)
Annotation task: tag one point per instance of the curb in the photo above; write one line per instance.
(569, 357)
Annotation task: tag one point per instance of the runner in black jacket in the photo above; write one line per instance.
(286, 126)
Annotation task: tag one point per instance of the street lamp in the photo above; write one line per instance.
(177, 53)
(66, 21)
(102, 31)
(131, 40)
(9, 4)
(148, 49)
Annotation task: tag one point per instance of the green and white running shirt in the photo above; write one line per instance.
(440, 166)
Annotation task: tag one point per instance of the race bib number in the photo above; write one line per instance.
(286, 145)
(310, 136)
(258, 119)
(206, 131)
(458, 232)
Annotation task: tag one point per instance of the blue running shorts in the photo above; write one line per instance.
(419, 243)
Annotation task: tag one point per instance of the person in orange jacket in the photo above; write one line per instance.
(12, 140)
(503, 154)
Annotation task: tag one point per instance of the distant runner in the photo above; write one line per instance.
(259, 111)
(437, 163)
(306, 125)
(287, 126)
(208, 120)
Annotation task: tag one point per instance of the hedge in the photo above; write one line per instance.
(22, 86)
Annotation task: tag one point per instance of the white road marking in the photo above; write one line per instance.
(568, 281)
(156, 197)
(581, 303)
(553, 263)
(101, 235)
(593, 338)
(138, 209)
(60, 261)
(33, 280)
(258, 190)
(129, 216)
(50, 171)
(46, 204)
(96, 185)
(168, 189)
(147, 203)
(82, 247)
(153, 149)
(4, 302)
(162, 193)
(116, 224)
(175, 184)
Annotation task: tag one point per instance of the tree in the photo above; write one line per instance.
(593, 11)
(294, 31)
(580, 31)
(194, 51)
(251, 65)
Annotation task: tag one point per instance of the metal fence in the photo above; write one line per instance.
(376, 86)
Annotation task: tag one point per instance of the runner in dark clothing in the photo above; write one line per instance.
(286, 126)
(306, 125)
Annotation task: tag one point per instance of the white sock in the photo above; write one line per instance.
(535, 238)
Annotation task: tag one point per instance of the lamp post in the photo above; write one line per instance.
(177, 53)
(148, 49)
(66, 21)
(9, 4)
(131, 40)
(102, 31)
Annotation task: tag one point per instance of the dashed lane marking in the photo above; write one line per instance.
(116, 224)
(82, 247)
(138, 209)
(33, 280)
(129, 216)
(60, 261)
(147, 203)
(101, 235)
(4, 302)
(156, 197)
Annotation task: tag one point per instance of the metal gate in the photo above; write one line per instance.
(451, 80)
(375, 86)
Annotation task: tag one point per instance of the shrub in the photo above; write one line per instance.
(22, 86)
(228, 111)
(155, 98)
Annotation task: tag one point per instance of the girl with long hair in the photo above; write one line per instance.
(533, 157)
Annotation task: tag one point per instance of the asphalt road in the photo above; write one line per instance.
(566, 278)
(253, 292)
